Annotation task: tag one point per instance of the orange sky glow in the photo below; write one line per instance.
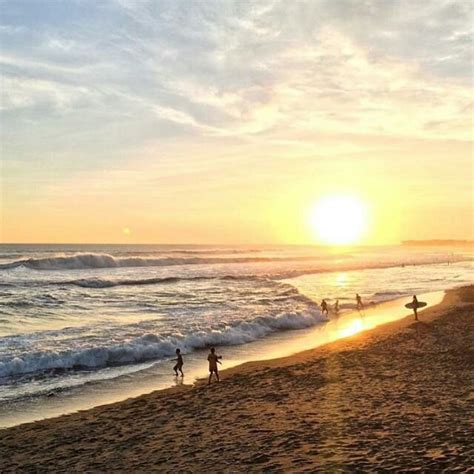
(207, 125)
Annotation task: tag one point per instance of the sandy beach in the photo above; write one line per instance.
(398, 397)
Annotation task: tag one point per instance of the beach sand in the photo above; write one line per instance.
(398, 397)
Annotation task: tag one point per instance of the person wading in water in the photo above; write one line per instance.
(360, 305)
(324, 307)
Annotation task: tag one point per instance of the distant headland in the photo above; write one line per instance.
(439, 242)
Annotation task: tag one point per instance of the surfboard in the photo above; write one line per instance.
(412, 305)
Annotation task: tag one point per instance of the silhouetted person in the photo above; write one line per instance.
(179, 363)
(360, 305)
(415, 307)
(213, 359)
(324, 307)
(336, 307)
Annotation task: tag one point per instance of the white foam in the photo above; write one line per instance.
(93, 260)
(152, 346)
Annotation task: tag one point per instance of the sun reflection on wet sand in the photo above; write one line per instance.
(354, 327)
(345, 325)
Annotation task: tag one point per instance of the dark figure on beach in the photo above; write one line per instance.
(179, 363)
(360, 305)
(415, 307)
(324, 307)
(336, 307)
(213, 359)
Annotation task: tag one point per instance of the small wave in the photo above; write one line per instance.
(384, 294)
(189, 251)
(17, 304)
(104, 283)
(152, 346)
(110, 283)
(38, 300)
(91, 260)
(221, 251)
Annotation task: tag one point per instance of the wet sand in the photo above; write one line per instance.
(398, 397)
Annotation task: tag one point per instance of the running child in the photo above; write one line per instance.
(179, 363)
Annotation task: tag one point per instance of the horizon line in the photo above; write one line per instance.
(400, 243)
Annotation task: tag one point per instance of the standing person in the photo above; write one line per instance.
(415, 307)
(360, 305)
(179, 363)
(213, 359)
(324, 307)
(336, 307)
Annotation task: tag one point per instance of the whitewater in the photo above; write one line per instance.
(72, 315)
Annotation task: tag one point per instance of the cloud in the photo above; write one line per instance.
(96, 82)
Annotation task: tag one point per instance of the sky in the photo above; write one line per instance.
(226, 122)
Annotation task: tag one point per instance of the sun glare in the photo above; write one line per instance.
(339, 219)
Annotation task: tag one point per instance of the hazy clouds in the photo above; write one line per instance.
(92, 85)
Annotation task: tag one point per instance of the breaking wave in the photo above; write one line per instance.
(92, 260)
(154, 347)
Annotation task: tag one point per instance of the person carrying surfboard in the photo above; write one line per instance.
(415, 307)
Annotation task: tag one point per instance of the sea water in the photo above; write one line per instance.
(72, 316)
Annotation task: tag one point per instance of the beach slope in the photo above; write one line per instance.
(397, 397)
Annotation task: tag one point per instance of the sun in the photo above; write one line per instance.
(339, 219)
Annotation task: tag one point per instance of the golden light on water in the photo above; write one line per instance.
(339, 219)
(354, 327)
(341, 279)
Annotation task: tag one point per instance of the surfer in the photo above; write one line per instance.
(213, 359)
(336, 307)
(360, 305)
(324, 307)
(415, 307)
(179, 363)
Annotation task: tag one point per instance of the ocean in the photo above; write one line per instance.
(76, 318)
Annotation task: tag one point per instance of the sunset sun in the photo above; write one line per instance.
(339, 219)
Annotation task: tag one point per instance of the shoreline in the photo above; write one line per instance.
(396, 396)
(274, 346)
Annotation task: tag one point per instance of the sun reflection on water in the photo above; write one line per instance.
(341, 279)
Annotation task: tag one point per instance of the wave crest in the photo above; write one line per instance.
(154, 347)
(110, 283)
(92, 260)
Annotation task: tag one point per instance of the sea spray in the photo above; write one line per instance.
(90, 260)
(153, 346)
